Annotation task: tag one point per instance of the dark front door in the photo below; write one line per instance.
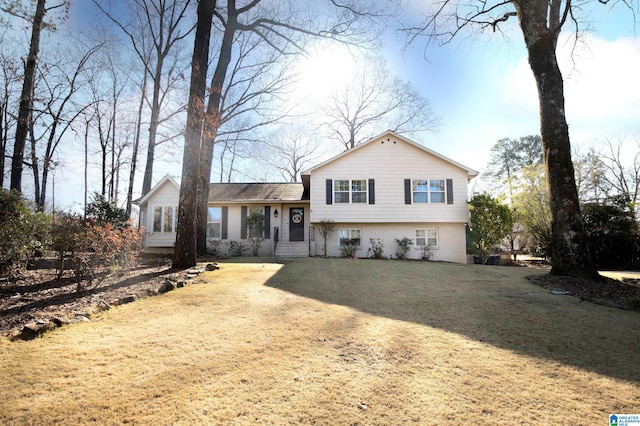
(296, 224)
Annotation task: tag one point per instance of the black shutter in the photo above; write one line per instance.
(267, 222)
(329, 191)
(372, 191)
(243, 222)
(225, 219)
(449, 191)
(407, 191)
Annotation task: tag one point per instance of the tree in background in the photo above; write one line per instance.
(532, 211)
(509, 158)
(375, 99)
(21, 230)
(102, 211)
(10, 77)
(290, 150)
(155, 29)
(612, 233)
(593, 186)
(489, 223)
(26, 98)
(541, 22)
(58, 104)
(286, 31)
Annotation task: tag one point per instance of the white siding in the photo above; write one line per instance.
(451, 248)
(389, 161)
(166, 195)
(234, 221)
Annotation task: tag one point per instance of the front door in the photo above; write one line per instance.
(296, 224)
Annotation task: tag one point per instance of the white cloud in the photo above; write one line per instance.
(601, 90)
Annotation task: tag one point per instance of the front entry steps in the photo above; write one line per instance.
(292, 249)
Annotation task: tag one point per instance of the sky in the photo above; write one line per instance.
(482, 89)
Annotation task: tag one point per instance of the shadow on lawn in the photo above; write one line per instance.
(495, 305)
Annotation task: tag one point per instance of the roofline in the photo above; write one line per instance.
(470, 171)
(260, 201)
(156, 186)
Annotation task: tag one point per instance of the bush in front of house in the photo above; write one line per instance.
(403, 247)
(91, 243)
(22, 231)
(377, 248)
(236, 248)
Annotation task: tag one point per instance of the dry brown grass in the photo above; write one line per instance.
(305, 342)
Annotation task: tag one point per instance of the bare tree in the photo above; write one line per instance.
(375, 99)
(276, 23)
(256, 80)
(155, 29)
(10, 77)
(291, 149)
(26, 99)
(590, 171)
(541, 22)
(110, 84)
(57, 108)
(623, 171)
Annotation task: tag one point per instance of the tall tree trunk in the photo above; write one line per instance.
(211, 124)
(569, 252)
(86, 164)
(185, 247)
(26, 99)
(136, 145)
(153, 129)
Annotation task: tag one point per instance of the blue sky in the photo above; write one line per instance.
(482, 89)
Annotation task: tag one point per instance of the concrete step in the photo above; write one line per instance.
(292, 249)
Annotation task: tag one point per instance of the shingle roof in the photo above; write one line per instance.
(256, 192)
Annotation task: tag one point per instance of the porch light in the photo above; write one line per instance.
(275, 213)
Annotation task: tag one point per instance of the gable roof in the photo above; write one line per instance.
(162, 181)
(470, 172)
(246, 192)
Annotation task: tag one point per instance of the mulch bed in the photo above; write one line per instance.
(623, 294)
(39, 295)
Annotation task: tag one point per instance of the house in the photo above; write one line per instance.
(385, 189)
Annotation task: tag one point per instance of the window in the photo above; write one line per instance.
(352, 235)
(256, 226)
(359, 191)
(436, 191)
(214, 222)
(429, 191)
(341, 191)
(427, 237)
(347, 191)
(420, 194)
(164, 219)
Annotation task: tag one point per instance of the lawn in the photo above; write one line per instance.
(334, 341)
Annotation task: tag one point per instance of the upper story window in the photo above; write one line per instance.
(429, 191)
(350, 191)
(436, 191)
(164, 218)
(341, 191)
